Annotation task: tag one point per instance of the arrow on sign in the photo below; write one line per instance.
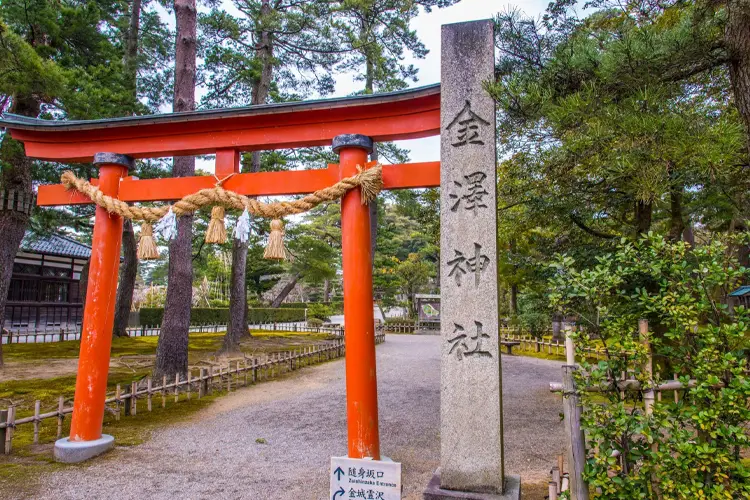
(340, 493)
(339, 473)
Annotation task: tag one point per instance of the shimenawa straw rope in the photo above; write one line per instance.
(370, 182)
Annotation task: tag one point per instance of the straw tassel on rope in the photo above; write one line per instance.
(275, 249)
(146, 245)
(217, 232)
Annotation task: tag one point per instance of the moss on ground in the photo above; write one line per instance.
(20, 471)
(144, 346)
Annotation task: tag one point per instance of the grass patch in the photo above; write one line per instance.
(143, 346)
(20, 472)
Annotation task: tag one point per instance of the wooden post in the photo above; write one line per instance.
(648, 394)
(561, 463)
(676, 393)
(201, 381)
(9, 430)
(579, 490)
(164, 391)
(556, 478)
(61, 416)
(244, 364)
(552, 491)
(134, 397)
(149, 384)
(176, 388)
(37, 405)
(210, 381)
(188, 384)
(4, 430)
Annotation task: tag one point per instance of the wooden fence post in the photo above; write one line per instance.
(556, 478)
(579, 490)
(9, 430)
(134, 398)
(552, 490)
(37, 406)
(149, 385)
(648, 394)
(164, 391)
(3, 431)
(176, 389)
(61, 416)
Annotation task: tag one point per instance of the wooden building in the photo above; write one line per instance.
(44, 289)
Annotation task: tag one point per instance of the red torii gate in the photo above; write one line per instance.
(350, 124)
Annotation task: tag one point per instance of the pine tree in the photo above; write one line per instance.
(172, 348)
(278, 50)
(56, 61)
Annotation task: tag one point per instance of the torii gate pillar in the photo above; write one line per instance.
(86, 439)
(356, 248)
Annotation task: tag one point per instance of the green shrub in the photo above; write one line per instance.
(389, 321)
(209, 316)
(689, 449)
(319, 311)
(335, 307)
(314, 322)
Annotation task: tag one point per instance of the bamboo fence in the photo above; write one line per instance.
(576, 440)
(199, 381)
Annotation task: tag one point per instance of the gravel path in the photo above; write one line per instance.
(302, 420)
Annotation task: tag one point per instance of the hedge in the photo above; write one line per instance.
(213, 316)
(336, 307)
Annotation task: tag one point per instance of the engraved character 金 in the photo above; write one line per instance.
(463, 265)
(473, 194)
(460, 343)
(468, 126)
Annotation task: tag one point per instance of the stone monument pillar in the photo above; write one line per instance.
(471, 437)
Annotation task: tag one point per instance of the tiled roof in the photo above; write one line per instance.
(743, 290)
(54, 244)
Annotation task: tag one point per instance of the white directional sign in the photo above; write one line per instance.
(353, 478)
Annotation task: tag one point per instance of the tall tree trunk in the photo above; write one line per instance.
(172, 349)
(237, 327)
(737, 40)
(676, 220)
(128, 275)
(513, 303)
(16, 175)
(131, 50)
(326, 290)
(286, 290)
(643, 212)
(129, 266)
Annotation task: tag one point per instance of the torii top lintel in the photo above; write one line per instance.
(408, 114)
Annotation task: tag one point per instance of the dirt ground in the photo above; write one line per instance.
(275, 440)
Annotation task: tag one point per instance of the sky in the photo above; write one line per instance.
(427, 27)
